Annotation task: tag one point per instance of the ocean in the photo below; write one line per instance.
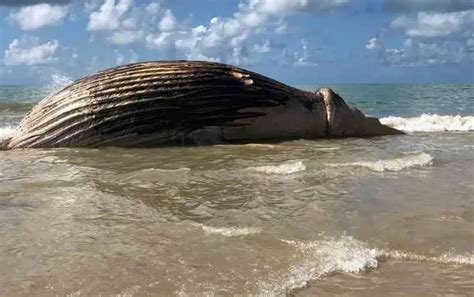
(378, 216)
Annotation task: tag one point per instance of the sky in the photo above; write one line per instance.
(299, 42)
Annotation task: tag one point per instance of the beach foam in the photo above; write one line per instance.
(57, 82)
(229, 231)
(286, 168)
(448, 258)
(430, 123)
(343, 254)
(6, 132)
(322, 257)
(397, 164)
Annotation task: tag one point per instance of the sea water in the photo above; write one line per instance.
(355, 217)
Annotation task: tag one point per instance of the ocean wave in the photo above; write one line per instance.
(6, 132)
(343, 254)
(322, 257)
(447, 258)
(431, 123)
(397, 164)
(286, 168)
(229, 231)
(58, 81)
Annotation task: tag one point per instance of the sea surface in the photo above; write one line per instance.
(382, 216)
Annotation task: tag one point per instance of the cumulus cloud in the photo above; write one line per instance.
(422, 52)
(37, 16)
(122, 22)
(125, 36)
(32, 2)
(434, 24)
(168, 22)
(281, 7)
(428, 5)
(304, 58)
(109, 15)
(29, 51)
(222, 40)
(225, 39)
(262, 48)
(437, 35)
(371, 44)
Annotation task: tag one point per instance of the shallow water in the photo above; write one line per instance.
(355, 217)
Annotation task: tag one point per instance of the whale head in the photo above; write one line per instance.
(345, 120)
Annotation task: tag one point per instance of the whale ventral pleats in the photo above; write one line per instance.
(181, 102)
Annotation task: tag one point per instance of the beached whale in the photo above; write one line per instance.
(186, 102)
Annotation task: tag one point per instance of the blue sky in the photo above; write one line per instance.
(295, 41)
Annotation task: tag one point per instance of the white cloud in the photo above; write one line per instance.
(434, 24)
(109, 15)
(29, 51)
(125, 36)
(37, 16)
(428, 5)
(225, 39)
(282, 7)
(262, 48)
(168, 22)
(304, 58)
(431, 38)
(301, 58)
(161, 40)
(371, 44)
(123, 22)
(416, 52)
(90, 5)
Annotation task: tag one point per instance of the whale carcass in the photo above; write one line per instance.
(186, 102)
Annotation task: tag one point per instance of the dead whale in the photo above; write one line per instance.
(186, 102)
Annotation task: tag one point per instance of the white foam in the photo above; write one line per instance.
(447, 258)
(6, 132)
(58, 81)
(397, 164)
(430, 123)
(229, 231)
(286, 168)
(321, 258)
(344, 254)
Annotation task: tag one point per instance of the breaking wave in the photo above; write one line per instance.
(286, 168)
(397, 164)
(6, 132)
(343, 254)
(57, 82)
(448, 258)
(431, 123)
(321, 258)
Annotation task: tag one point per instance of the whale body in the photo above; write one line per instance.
(186, 102)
